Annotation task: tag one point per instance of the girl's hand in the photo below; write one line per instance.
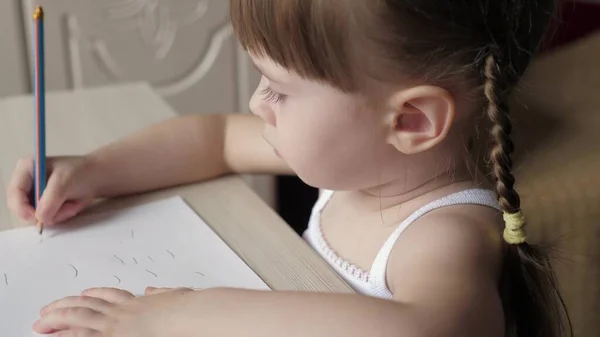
(108, 312)
(69, 189)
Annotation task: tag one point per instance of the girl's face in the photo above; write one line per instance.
(331, 139)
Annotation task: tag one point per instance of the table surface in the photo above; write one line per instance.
(101, 115)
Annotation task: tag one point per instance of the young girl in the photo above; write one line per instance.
(376, 100)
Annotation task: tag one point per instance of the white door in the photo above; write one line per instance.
(184, 48)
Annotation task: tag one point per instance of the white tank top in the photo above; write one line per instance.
(373, 282)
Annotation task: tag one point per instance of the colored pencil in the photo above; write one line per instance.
(40, 108)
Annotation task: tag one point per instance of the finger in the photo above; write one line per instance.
(111, 295)
(18, 190)
(154, 290)
(93, 303)
(22, 177)
(70, 318)
(53, 197)
(18, 203)
(69, 209)
(78, 333)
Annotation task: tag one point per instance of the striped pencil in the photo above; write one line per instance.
(40, 108)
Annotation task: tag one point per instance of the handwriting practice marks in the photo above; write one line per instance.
(160, 244)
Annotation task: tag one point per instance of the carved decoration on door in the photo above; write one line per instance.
(90, 29)
(157, 21)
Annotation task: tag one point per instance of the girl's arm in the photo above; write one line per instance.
(248, 313)
(444, 277)
(183, 150)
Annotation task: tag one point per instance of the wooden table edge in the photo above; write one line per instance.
(253, 230)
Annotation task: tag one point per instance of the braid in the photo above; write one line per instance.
(533, 305)
(502, 147)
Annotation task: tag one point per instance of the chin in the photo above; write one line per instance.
(319, 180)
(329, 175)
(310, 177)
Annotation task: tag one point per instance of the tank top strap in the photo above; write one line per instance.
(321, 202)
(377, 275)
(323, 199)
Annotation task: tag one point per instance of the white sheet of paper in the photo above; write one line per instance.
(162, 244)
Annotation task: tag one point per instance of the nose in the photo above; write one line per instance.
(259, 107)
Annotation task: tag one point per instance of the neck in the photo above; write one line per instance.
(402, 190)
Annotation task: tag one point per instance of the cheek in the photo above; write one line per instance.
(329, 151)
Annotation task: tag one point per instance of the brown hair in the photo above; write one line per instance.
(485, 44)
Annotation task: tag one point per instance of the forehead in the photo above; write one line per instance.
(270, 69)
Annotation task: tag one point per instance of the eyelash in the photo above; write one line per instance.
(271, 96)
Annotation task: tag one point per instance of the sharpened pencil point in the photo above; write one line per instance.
(40, 227)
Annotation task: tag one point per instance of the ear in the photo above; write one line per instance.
(420, 118)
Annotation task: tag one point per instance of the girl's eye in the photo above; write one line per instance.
(271, 96)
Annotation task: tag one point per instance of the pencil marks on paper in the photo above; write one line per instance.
(148, 265)
(5, 279)
(74, 269)
(118, 258)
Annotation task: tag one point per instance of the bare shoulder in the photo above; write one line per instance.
(246, 151)
(448, 263)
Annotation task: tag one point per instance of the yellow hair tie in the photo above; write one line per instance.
(513, 231)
